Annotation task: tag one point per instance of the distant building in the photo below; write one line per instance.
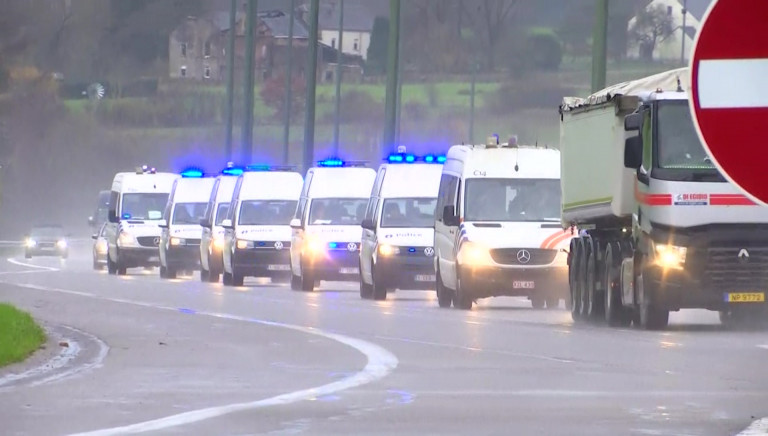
(358, 26)
(197, 50)
(669, 49)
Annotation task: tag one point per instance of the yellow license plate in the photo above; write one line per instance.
(745, 297)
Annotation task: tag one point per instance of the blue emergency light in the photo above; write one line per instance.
(331, 163)
(232, 171)
(192, 173)
(410, 158)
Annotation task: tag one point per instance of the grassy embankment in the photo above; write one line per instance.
(19, 335)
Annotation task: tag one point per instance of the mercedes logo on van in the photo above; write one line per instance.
(278, 245)
(352, 246)
(429, 251)
(743, 256)
(156, 241)
(523, 256)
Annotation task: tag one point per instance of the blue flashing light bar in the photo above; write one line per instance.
(410, 158)
(330, 163)
(232, 171)
(266, 167)
(192, 173)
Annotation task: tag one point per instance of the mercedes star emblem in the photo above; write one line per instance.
(352, 246)
(743, 255)
(429, 251)
(278, 245)
(156, 241)
(523, 256)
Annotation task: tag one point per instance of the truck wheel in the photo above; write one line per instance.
(616, 315)
(462, 300)
(576, 272)
(444, 295)
(593, 309)
(538, 302)
(651, 316)
(366, 290)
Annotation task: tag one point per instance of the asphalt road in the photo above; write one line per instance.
(184, 357)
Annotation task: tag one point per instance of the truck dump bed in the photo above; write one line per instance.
(595, 184)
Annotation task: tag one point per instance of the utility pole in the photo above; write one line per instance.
(250, 33)
(339, 69)
(471, 138)
(399, 101)
(230, 79)
(311, 74)
(682, 30)
(393, 58)
(599, 45)
(288, 88)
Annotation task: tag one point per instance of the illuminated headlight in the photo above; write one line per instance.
(178, 241)
(126, 240)
(314, 246)
(245, 245)
(101, 247)
(218, 242)
(670, 256)
(388, 250)
(30, 243)
(61, 244)
(474, 254)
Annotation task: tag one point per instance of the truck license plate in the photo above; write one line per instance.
(278, 267)
(518, 284)
(745, 297)
(425, 278)
(349, 271)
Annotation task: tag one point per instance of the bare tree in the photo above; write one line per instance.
(492, 17)
(652, 25)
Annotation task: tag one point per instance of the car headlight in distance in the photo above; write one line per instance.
(126, 239)
(177, 241)
(474, 254)
(30, 243)
(670, 256)
(61, 244)
(244, 245)
(388, 250)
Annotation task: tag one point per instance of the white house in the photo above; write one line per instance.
(670, 48)
(358, 25)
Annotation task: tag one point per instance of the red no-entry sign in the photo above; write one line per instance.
(729, 87)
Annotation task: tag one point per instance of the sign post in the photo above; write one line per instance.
(729, 92)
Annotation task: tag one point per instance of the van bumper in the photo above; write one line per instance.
(406, 272)
(139, 257)
(492, 281)
(341, 266)
(184, 257)
(262, 263)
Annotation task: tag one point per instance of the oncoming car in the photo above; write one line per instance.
(100, 248)
(46, 240)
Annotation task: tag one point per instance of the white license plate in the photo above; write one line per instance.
(425, 278)
(278, 268)
(349, 271)
(518, 284)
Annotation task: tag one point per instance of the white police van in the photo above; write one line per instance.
(398, 227)
(212, 242)
(257, 233)
(497, 226)
(136, 205)
(326, 227)
(181, 230)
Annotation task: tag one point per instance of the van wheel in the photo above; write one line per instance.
(111, 268)
(27, 256)
(237, 279)
(538, 302)
(204, 274)
(213, 277)
(227, 279)
(295, 282)
(121, 269)
(163, 272)
(444, 295)
(366, 290)
(307, 280)
(379, 291)
(461, 300)
(170, 273)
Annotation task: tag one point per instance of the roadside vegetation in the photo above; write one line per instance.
(20, 336)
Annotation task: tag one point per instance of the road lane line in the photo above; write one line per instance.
(29, 265)
(380, 363)
(94, 363)
(759, 427)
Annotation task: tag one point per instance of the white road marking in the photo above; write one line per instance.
(94, 363)
(733, 83)
(29, 265)
(764, 347)
(759, 427)
(380, 364)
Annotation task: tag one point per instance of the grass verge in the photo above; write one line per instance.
(19, 335)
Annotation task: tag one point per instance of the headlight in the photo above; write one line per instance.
(177, 241)
(388, 250)
(670, 256)
(244, 245)
(30, 243)
(218, 242)
(101, 247)
(61, 244)
(126, 239)
(313, 245)
(474, 254)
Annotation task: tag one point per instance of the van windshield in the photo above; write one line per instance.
(188, 213)
(337, 211)
(512, 200)
(408, 212)
(267, 212)
(144, 206)
(221, 213)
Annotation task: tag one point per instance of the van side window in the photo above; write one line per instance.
(376, 208)
(369, 215)
(114, 196)
(302, 206)
(307, 184)
(211, 208)
(447, 194)
(378, 182)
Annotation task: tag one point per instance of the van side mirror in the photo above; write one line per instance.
(633, 122)
(163, 224)
(204, 223)
(112, 216)
(368, 224)
(295, 223)
(95, 236)
(633, 152)
(449, 216)
(227, 224)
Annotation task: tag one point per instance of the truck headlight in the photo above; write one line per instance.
(126, 240)
(388, 250)
(474, 254)
(670, 256)
(244, 245)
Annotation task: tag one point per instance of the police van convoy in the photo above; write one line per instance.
(497, 226)
(258, 236)
(181, 230)
(136, 205)
(481, 221)
(212, 240)
(398, 238)
(326, 227)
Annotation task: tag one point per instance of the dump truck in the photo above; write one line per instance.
(659, 227)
